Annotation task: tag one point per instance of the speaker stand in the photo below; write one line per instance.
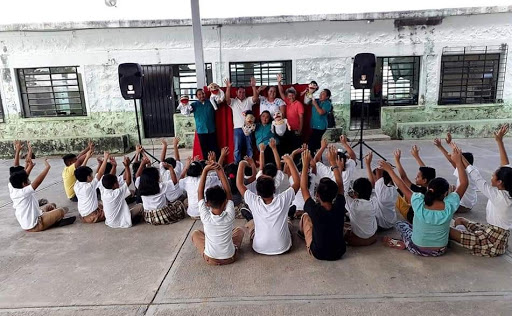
(361, 141)
(138, 130)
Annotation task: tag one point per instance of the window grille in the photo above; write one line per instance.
(472, 75)
(185, 80)
(51, 91)
(265, 72)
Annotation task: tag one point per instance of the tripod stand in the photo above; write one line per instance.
(361, 141)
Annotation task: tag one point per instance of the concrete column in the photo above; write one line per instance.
(198, 43)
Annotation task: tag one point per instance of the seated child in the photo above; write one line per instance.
(433, 212)
(114, 193)
(385, 194)
(184, 107)
(323, 171)
(321, 225)
(362, 211)
(470, 198)
(30, 217)
(423, 178)
(268, 228)
(217, 95)
(160, 199)
(193, 171)
(85, 189)
(491, 239)
(281, 183)
(263, 134)
(165, 174)
(238, 201)
(68, 174)
(219, 242)
(297, 207)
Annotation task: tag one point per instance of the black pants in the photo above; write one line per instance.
(208, 143)
(289, 142)
(315, 140)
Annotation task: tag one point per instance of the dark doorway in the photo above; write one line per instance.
(157, 106)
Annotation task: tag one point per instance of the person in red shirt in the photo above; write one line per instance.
(294, 114)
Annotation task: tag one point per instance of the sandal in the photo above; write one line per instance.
(393, 243)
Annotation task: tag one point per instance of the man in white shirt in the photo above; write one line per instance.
(113, 193)
(269, 229)
(239, 106)
(219, 241)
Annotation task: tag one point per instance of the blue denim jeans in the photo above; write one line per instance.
(241, 141)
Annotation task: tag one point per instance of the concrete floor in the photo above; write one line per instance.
(86, 269)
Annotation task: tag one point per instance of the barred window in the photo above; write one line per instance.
(400, 80)
(51, 91)
(265, 72)
(472, 75)
(185, 81)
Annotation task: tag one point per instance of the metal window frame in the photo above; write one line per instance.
(191, 73)
(413, 88)
(468, 92)
(263, 78)
(29, 113)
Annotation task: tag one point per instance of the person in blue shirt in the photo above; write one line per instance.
(433, 212)
(204, 115)
(321, 107)
(263, 134)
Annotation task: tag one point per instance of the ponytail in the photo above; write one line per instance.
(436, 191)
(504, 174)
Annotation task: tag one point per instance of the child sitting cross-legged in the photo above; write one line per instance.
(269, 228)
(30, 217)
(433, 212)
(385, 194)
(117, 212)
(491, 239)
(349, 162)
(85, 187)
(321, 225)
(72, 162)
(219, 242)
(160, 199)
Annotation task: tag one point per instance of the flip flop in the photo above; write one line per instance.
(393, 243)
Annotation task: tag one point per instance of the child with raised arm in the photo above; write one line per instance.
(71, 162)
(175, 162)
(470, 198)
(269, 228)
(349, 162)
(433, 212)
(385, 194)
(271, 169)
(491, 239)
(85, 187)
(321, 225)
(30, 217)
(219, 242)
(114, 194)
(423, 178)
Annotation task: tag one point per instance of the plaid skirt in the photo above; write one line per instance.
(484, 239)
(172, 213)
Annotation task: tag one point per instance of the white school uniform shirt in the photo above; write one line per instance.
(117, 212)
(190, 185)
(363, 219)
(470, 197)
(165, 175)
(238, 107)
(26, 207)
(499, 207)
(385, 196)
(86, 195)
(298, 201)
(159, 200)
(323, 171)
(271, 232)
(218, 231)
(281, 182)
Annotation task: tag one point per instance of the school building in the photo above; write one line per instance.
(437, 71)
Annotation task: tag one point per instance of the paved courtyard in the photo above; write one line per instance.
(86, 269)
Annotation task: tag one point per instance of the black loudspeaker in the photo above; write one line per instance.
(130, 80)
(363, 71)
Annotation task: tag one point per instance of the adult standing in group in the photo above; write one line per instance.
(294, 115)
(239, 105)
(320, 108)
(204, 116)
(271, 102)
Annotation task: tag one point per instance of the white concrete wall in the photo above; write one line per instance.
(319, 50)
